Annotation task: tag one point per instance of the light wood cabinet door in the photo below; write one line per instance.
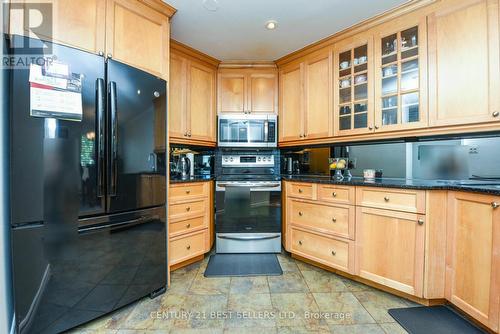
(138, 35)
(201, 102)
(473, 256)
(262, 92)
(464, 82)
(79, 24)
(177, 116)
(400, 54)
(318, 96)
(390, 249)
(232, 92)
(291, 110)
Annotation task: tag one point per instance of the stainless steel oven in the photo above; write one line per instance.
(247, 130)
(248, 205)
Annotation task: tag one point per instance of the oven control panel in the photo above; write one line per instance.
(248, 161)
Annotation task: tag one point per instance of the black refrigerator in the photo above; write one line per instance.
(88, 185)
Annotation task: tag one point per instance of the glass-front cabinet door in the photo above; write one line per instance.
(353, 86)
(400, 89)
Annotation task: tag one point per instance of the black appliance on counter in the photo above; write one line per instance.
(88, 190)
(248, 202)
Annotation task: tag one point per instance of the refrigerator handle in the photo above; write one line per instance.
(114, 137)
(100, 105)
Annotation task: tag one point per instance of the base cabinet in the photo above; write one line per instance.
(390, 249)
(473, 256)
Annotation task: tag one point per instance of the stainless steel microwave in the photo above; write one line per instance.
(247, 130)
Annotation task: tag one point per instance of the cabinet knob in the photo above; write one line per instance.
(370, 128)
(188, 247)
(420, 222)
(334, 219)
(189, 134)
(101, 53)
(386, 199)
(300, 242)
(305, 135)
(300, 213)
(185, 134)
(301, 135)
(110, 55)
(188, 208)
(300, 191)
(376, 127)
(188, 225)
(496, 113)
(494, 205)
(334, 194)
(188, 192)
(334, 253)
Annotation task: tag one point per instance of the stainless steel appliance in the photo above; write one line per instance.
(248, 204)
(88, 236)
(184, 166)
(247, 130)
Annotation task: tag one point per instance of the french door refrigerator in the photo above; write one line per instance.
(88, 186)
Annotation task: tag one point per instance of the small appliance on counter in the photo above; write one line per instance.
(187, 162)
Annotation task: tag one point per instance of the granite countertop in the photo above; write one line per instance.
(196, 178)
(485, 187)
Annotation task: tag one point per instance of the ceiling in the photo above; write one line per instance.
(236, 30)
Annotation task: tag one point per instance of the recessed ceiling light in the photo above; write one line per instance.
(270, 25)
(211, 5)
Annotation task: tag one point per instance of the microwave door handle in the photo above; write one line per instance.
(266, 130)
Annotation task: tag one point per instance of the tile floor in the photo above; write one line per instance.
(275, 304)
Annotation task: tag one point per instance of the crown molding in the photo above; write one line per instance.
(183, 48)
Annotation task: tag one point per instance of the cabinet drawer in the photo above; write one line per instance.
(301, 190)
(188, 209)
(338, 220)
(392, 199)
(331, 252)
(185, 226)
(188, 190)
(186, 247)
(336, 194)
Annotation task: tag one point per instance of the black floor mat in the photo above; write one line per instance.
(243, 265)
(433, 320)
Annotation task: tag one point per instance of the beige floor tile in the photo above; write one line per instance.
(356, 329)
(250, 310)
(287, 263)
(297, 310)
(288, 282)
(308, 267)
(342, 308)
(196, 331)
(180, 282)
(318, 281)
(378, 302)
(302, 330)
(202, 311)
(354, 286)
(393, 328)
(142, 317)
(254, 330)
(210, 286)
(251, 285)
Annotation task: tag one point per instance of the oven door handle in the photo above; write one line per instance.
(249, 238)
(249, 185)
(266, 131)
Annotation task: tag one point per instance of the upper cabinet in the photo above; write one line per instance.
(464, 72)
(250, 90)
(401, 74)
(79, 24)
(306, 98)
(138, 35)
(191, 97)
(353, 86)
(135, 32)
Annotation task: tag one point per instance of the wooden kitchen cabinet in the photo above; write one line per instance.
(306, 98)
(473, 256)
(191, 97)
(353, 86)
(247, 90)
(401, 74)
(138, 34)
(464, 71)
(390, 249)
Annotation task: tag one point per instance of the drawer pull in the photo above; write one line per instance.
(334, 219)
(300, 242)
(334, 194)
(300, 191)
(188, 225)
(188, 208)
(188, 247)
(334, 253)
(420, 222)
(188, 192)
(386, 199)
(494, 205)
(495, 113)
(300, 213)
